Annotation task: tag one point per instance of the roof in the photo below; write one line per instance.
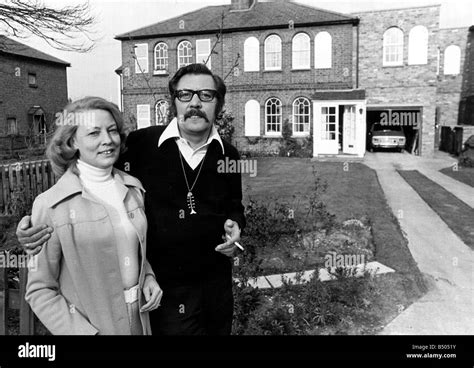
(356, 94)
(268, 15)
(12, 47)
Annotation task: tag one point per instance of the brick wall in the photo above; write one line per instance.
(449, 86)
(16, 96)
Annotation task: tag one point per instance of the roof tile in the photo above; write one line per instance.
(261, 15)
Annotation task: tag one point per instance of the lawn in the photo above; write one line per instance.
(353, 191)
(463, 174)
(345, 306)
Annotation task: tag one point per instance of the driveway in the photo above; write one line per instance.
(445, 261)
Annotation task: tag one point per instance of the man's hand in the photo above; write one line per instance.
(30, 237)
(153, 294)
(231, 229)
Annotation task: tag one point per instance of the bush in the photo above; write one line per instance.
(225, 125)
(292, 147)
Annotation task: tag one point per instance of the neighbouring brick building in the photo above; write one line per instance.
(329, 75)
(33, 89)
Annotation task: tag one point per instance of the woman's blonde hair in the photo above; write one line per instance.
(60, 150)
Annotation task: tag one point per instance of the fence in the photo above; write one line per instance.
(15, 299)
(20, 183)
(26, 179)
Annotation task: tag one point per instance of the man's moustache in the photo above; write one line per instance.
(195, 112)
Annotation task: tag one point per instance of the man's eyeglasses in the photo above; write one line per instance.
(186, 95)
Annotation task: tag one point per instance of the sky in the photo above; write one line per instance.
(93, 73)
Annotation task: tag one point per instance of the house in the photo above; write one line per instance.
(33, 89)
(267, 56)
(329, 75)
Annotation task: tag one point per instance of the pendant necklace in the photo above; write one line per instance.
(190, 196)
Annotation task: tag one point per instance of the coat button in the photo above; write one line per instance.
(131, 215)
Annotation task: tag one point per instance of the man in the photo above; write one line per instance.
(189, 207)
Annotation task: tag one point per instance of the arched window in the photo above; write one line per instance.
(393, 47)
(252, 118)
(161, 56)
(323, 51)
(161, 112)
(418, 46)
(273, 117)
(251, 55)
(452, 60)
(273, 53)
(301, 116)
(301, 51)
(185, 54)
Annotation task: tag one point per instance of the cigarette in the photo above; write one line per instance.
(236, 243)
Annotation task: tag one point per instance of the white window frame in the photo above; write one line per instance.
(203, 51)
(251, 55)
(323, 50)
(143, 116)
(393, 48)
(161, 58)
(162, 106)
(252, 118)
(276, 118)
(452, 60)
(301, 51)
(297, 116)
(141, 57)
(327, 123)
(273, 52)
(418, 46)
(185, 52)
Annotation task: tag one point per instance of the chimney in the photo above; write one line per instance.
(237, 5)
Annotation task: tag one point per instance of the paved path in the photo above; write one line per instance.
(446, 262)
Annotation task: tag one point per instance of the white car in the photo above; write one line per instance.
(386, 136)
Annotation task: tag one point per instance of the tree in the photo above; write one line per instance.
(67, 28)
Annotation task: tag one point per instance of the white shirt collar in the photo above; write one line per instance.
(172, 131)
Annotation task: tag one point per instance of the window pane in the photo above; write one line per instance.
(185, 56)
(301, 51)
(273, 116)
(161, 112)
(273, 52)
(393, 46)
(301, 114)
(161, 56)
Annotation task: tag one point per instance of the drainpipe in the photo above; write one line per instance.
(357, 57)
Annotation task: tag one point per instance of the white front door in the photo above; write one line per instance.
(349, 139)
(326, 129)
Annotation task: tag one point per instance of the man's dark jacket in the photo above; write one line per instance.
(180, 246)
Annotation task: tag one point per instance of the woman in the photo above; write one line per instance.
(92, 277)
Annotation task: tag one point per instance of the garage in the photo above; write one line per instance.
(388, 124)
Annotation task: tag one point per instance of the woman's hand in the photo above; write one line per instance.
(152, 293)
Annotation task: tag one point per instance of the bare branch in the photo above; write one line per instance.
(67, 28)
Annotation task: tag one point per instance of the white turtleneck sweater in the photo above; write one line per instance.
(102, 185)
